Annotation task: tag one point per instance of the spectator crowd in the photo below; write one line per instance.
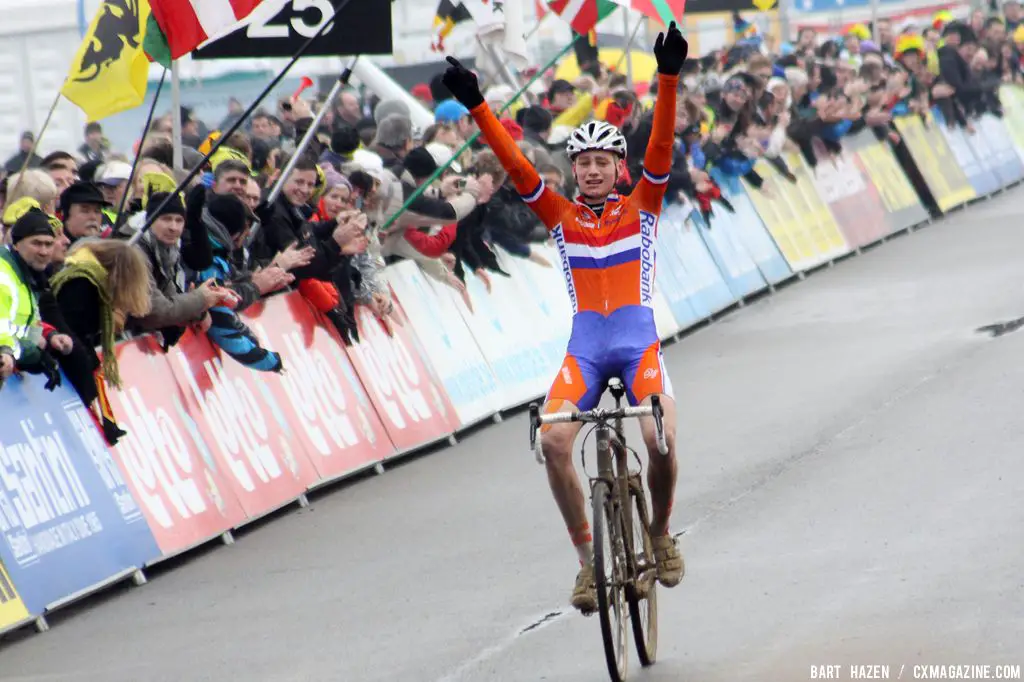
(73, 279)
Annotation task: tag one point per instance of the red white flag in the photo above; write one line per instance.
(190, 23)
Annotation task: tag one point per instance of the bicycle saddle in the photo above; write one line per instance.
(615, 386)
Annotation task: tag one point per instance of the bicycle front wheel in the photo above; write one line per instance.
(643, 594)
(609, 574)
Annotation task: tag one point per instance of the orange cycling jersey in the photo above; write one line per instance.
(608, 261)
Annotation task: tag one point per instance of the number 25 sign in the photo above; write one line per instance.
(361, 27)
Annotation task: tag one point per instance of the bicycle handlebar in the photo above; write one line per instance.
(597, 416)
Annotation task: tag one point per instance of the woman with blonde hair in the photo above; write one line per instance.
(102, 283)
(35, 184)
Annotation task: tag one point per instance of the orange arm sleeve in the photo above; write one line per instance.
(658, 160)
(546, 203)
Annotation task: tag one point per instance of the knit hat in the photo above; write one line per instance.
(229, 210)
(33, 223)
(174, 205)
(333, 178)
(420, 163)
(537, 119)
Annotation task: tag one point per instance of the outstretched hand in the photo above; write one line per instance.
(463, 84)
(670, 50)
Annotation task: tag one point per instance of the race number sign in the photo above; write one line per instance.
(362, 27)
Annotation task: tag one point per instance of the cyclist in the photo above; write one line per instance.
(607, 248)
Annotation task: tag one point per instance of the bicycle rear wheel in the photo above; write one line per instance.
(642, 596)
(609, 574)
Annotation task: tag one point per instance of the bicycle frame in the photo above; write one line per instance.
(613, 471)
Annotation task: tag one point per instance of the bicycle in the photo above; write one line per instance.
(626, 579)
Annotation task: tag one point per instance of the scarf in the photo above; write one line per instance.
(83, 264)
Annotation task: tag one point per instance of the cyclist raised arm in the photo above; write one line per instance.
(546, 203)
(607, 246)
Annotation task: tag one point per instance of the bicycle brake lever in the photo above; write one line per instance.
(535, 444)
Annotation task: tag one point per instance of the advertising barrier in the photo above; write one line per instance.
(403, 390)
(238, 418)
(682, 252)
(796, 217)
(68, 521)
(855, 202)
(978, 171)
(212, 445)
(1012, 98)
(167, 464)
(898, 199)
(12, 610)
(935, 160)
(317, 404)
(750, 231)
(450, 348)
(992, 143)
(739, 270)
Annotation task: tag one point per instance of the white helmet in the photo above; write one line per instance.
(596, 136)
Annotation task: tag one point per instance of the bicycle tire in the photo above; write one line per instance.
(611, 604)
(643, 611)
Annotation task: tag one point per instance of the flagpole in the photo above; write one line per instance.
(178, 154)
(626, 52)
(458, 154)
(142, 145)
(504, 70)
(338, 5)
(629, 48)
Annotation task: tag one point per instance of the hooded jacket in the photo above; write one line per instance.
(227, 331)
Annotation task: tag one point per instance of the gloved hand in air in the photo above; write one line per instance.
(463, 84)
(670, 51)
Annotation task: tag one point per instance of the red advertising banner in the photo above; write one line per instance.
(166, 463)
(244, 426)
(855, 202)
(410, 400)
(320, 395)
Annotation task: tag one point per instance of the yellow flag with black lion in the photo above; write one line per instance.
(110, 70)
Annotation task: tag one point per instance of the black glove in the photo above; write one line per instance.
(670, 51)
(51, 371)
(463, 84)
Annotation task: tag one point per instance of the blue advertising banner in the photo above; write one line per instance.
(67, 518)
(982, 179)
(992, 143)
(746, 225)
(681, 250)
(737, 267)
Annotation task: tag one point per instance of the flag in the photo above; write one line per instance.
(110, 69)
(187, 24)
(446, 17)
(155, 44)
(665, 11)
(500, 23)
(583, 15)
(746, 32)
